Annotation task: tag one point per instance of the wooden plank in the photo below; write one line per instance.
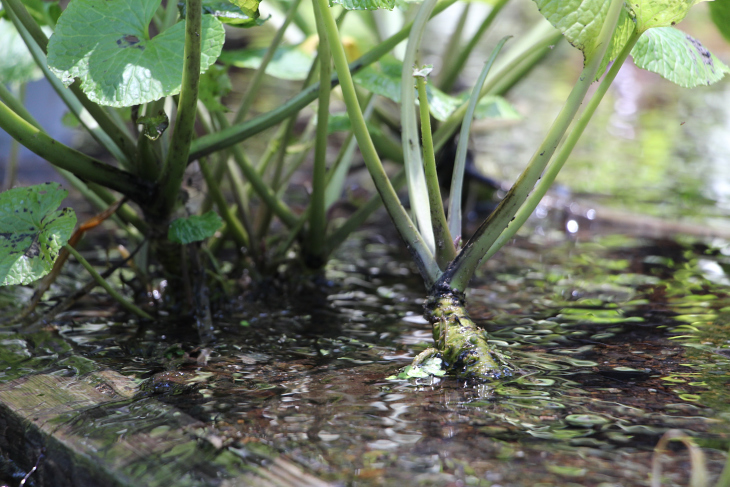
(94, 431)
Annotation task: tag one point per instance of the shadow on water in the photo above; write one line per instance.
(617, 340)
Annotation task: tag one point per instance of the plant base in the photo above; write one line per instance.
(460, 344)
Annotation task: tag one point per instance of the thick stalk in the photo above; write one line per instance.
(445, 249)
(315, 239)
(72, 160)
(460, 344)
(425, 261)
(459, 273)
(129, 306)
(415, 177)
(239, 132)
(457, 176)
(177, 158)
(557, 163)
(455, 68)
(255, 82)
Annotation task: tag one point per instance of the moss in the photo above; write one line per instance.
(460, 343)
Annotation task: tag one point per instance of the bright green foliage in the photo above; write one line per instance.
(290, 63)
(720, 14)
(240, 13)
(16, 63)
(32, 232)
(579, 20)
(364, 4)
(107, 45)
(155, 125)
(496, 107)
(677, 57)
(194, 228)
(659, 13)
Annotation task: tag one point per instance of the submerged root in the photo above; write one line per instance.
(460, 344)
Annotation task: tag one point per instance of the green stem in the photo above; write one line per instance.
(445, 249)
(110, 135)
(457, 177)
(235, 227)
(177, 158)
(526, 52)
(239, 132)
(452, 46)
(457, 66)
(557, 163)
(415, 177)
(72, 160)
(258, 77)
(315, 239)
(425, 261)
(356, 220)
(459, 273)
(102, 282)
(280, 209)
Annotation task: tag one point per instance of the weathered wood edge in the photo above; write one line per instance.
(80, 427)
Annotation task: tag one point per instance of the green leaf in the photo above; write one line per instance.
(214, 85)
(107, 45)
(154, 125)
(495, 107)
(239, 13)
(32, 232)
(659, 13)
(384, 79)
(340, 122)
(290, 63)
(16, 63)
(194, 228)
(677, 57)
(580, 21)
(364, 4)
(720, 15)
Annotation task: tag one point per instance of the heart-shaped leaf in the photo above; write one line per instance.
(677, 57)
(32, 232)
(107, 45)
(194, 228)
(659, 13)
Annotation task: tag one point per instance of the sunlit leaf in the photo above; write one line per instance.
(677, 57)
(107, 45)
(194, 228)
(659, 13)
(32, 231)
(364, 4)
(244, 13)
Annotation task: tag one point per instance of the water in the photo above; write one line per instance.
(617, 340)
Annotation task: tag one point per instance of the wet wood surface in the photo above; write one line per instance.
(98, 431)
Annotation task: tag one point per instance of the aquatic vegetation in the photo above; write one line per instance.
(102, 60)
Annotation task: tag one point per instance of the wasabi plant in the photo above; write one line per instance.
(146, 80)
(607, 33)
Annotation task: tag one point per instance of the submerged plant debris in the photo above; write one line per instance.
(616, 341)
